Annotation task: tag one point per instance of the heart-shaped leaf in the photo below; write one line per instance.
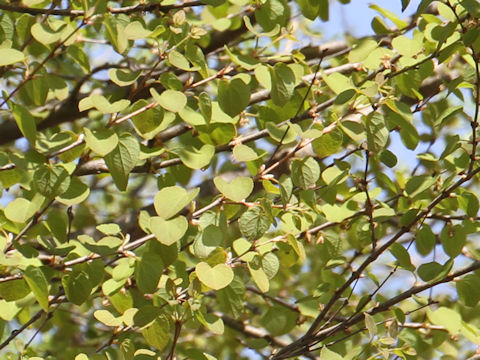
(168, 232)
(172, 199)
(237, 190)
(217, 278)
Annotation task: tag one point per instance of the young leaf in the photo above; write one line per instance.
(216, 277)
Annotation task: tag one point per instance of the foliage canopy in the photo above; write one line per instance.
(209, 179)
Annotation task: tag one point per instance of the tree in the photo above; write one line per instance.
(187, 180)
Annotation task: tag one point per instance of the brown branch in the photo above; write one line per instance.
(150, 7)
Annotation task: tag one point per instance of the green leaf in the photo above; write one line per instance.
(233, 96)
(44, 34)
(432, 271)
(370, 325)
(171, 200)
(38, 284)
(77, 287)
(20, 210)
(106, 318)
(337, 82)
(279, 320)
(468, 290)
(178, 60)
(446, 317)
(258, 274)
(231, 298)
(236, 190)
(425, 240)
(216, 277)
(390, 15)
(326, 354)
(283, 84)
(402, 256)
(76, 193)
(10, 56)
(472, 7)
(405, 46)
(328, 144)
(377, 132)
(148, 272)
(254, 223)
(123, 77)
(122, 159)
(271, 13)
(170, 231)
(158, 333)
(171, 100)
(101, 103)
(196, 158)
(207, 241)
(25, 122)
(305, 172)
(453, 239)
(244, 153)
(135, 31)
(109, 229)
(14, 289)
(51, 181)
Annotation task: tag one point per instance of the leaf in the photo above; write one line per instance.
(468, 290)
(390, 15)
(377, 132)
(123, 77)
(283, 84)
(207, 241)
(244, 153)
(425, 240)
(10, 56)
(25, 122)
(51, 181)
(19, 210)
(337, 82)
(158, 333)
(370, 324)
(254, 223)
(77, 287)
(305, 172)
(446, 317)
(14, 289)
(148, 272)
(196, 158)
(101, 103)
(171, 100)
(432, 271)
(258, 275)
(405, 46)
(236, 190)
(402, 256)
(44, 34)
(122, 159)
(328, 144)
(169, 201)
(231, 298)
(279, 320)
(38, 284)
(233, 96)
(178, 60)
(135, 31)
(170, 231)
(216, 277)
(326, 354)
(106, 318)
(76, 193)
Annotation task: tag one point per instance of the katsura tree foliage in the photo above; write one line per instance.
(211, 179)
